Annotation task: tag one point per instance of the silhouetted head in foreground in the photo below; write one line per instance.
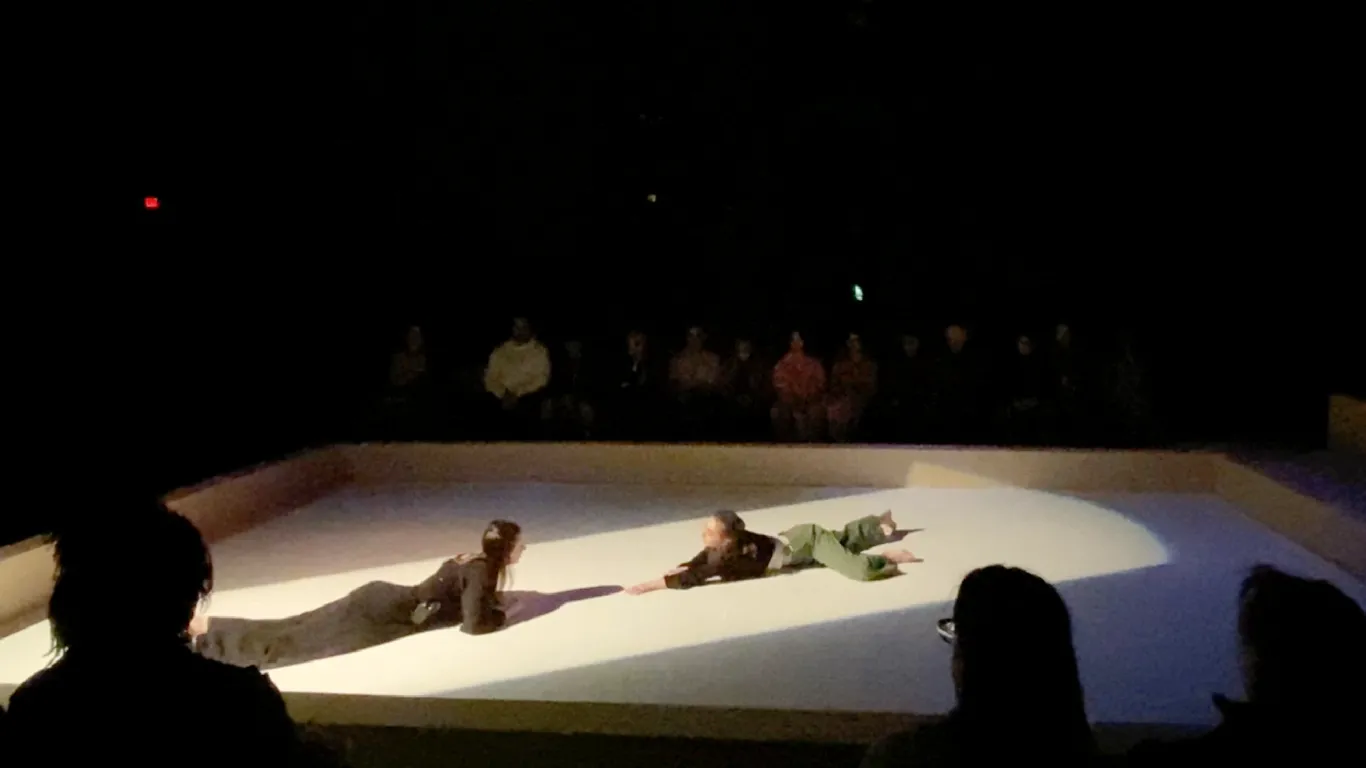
(1014, 666)
(1302, 645)
(131, 580)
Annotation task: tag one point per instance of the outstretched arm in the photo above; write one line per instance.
(686, 576)
(654, 585)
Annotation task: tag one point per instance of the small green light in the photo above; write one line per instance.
(858, 293)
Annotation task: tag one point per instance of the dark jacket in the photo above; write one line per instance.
(149, 706)
(747, 559)
(1250, 735)
(467, 594)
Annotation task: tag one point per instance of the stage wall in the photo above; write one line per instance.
(229, 505)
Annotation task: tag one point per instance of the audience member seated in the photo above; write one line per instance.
(1303, 646)
(746, 383)
(1015, 675)
(957, 413)
(903, 403)
(125, 686)
(799, 383)
(636, 389)
(695, 381)
(1131, 419)
(1066, 384)
(853, 383)
(408, 398)
(1026, 415)
(517, 374)
(568, 407)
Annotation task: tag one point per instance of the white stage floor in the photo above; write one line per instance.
(1151, 581)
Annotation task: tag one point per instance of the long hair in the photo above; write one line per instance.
(500, 537)
(1018, 668)
(732, 525)
(161, 558)
(1296, 672)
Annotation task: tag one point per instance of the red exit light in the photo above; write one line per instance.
(151, 203)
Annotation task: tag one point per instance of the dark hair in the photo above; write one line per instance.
(731, 523)
(1018, 667)
(157, 553)
(1306, 639)
(500, 537)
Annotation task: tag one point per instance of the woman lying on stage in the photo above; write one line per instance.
(734, 554)
(464, 591)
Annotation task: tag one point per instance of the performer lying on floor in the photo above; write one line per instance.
(464, 591)
(735, 554)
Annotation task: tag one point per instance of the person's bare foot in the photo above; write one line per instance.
(901, 556)
(888, 524)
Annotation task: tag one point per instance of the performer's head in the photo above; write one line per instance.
(1301, 643)
(521, 330)
(1013, 660)
(502, 547)
(721, 529)
(160, 557)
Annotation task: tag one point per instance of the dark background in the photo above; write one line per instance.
(326, 180)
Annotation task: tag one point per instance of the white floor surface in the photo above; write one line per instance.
(1151, 581)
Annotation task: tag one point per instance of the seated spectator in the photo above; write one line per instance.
(408, 399)
(1304, 669)
(1025, 385)
(695, 380)
(904, 393)
(1015, 675)
(568, 407)
(746, 385)
(636, 386)
(126, 686)
(799, 383)
(517, 374)
(853, 382)
(958, 413)
(409, 365)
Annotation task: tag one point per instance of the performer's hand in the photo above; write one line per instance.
(640, 589)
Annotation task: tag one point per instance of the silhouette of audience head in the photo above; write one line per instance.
(910, 345)
(697, 339)
(956, 336)
(1302, 644)
(635, 342)
(1014, 665)
(413, 339)
(131, 580)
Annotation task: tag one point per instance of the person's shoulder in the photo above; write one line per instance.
(471, 566)
(229, 676)
(37, 687)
